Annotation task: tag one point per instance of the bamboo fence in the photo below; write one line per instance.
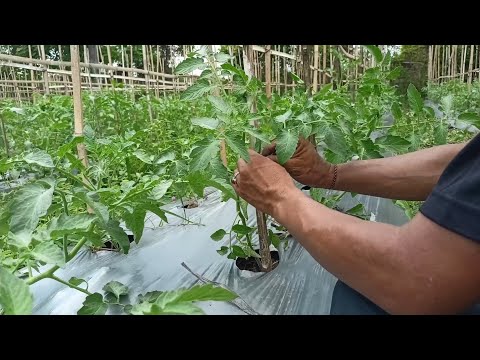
(316, 65)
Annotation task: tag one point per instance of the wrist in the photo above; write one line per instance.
(286, 204)
(327, 179)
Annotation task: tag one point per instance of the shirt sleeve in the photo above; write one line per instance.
(455, 201)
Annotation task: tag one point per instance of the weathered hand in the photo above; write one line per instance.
(263, 183)
(306, 165)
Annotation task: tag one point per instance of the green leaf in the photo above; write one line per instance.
(68, 224)
(335, 140)
(305, 130)
(371, 150)
(223, 250)
(357, 210)
(323, 91)
(238, 251)
(15, 296)
(118, 235)
(206, 123)
(93, 305)
(156, 210)
(256, 134)
(62, 150)
(207, 292)
(220, 104)
(470, 118)
(218, 235)
(429, 111)
(440, 134)
(375, 51)
(447, 103)
(235, 143)
(393, 143)
(396, 111)
(143, 156)
(222, 57)
(169, 156)
(203, 154)
(116, 288)
(150, 297)
(274, 239)
(199, 180)
(77, 281)
(415, 99)
(29, 204)
(143, 308)
(286, 145)
(40, 158)
(175, 309)
(49, 253)
(136, 222)
(296, 78)
(284, 117)
(234, 70)
(347, 111)
(395, 73)
(159, 191)
(197, 90)
(100, 210)
(188, 65)
(242, 229)
(249, 252)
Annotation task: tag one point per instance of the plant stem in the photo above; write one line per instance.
(65, 237)
(72, 177)
(244, 221)
(53, 277)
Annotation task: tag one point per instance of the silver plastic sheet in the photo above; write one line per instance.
(299, 285)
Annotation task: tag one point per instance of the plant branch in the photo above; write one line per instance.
(53, 277)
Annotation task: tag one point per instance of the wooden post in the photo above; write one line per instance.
(4, 136)
(32, 75)
(315, 68)
(470, 67)
(45, 73)
(268, 72)
(266, 258)
(147, 80)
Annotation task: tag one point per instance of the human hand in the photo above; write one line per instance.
(306, 165)
(263, 183)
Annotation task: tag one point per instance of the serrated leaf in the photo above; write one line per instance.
(347, 111)
(93, 305)
(199, 180)
(150, 297)
(375, 51)
(429, 111)
(207, 292)
(222, 57)
(116, 288)
(447, 103)
(242, 229)
(156, 210)
(218, 235)
(324, 90)
(142, 156)
(296, 78)
(305, 130)
(440, 134)
(234, 70)
(470, 118)
(175, 309)
(15, 296)
(169, 156)
(62, 150)
(49, 253)
(159, 191)
(220, 104)
(274, 239)
(256, 134)
(40, 158)
(286, 145)
(77, 281)
(136, 222)
(100, 210)
(284, 117)
(206, 123)
(203, 154)
(223, 250)
(197, 90)
(235, 143)
(188, 65)
(29, 204)
(68, 224)
(370, 149)
(335, 140)
(118, 235)
(395, 73)
(396, 111)
(415, 99)
(357, 210)
(393, 143)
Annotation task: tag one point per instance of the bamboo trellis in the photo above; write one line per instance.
(43, 76)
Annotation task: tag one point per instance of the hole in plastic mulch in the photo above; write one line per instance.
(250, 263)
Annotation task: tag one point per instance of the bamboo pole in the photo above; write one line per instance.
(284, 64)
(266, 259)
(470, 67)
(32, 74)
(315, 68)
(45, 74)
(464, 62)
(109, 55)
(147, 78)
(77, 103)
(268, 72)
(4, 135)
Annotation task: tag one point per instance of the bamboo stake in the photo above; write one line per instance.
(278, 71)
(147, 78)
(131, 74)
(470, 67)
(315, 67)
(4, 135)
(284, 64)
(268, 72)
(45, 74)
(266, 259)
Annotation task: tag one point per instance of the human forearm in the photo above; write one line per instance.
(410, 176)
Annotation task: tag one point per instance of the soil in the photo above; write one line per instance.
(250, 263)
(109, 245)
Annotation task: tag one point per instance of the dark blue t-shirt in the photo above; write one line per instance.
(454, 204)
